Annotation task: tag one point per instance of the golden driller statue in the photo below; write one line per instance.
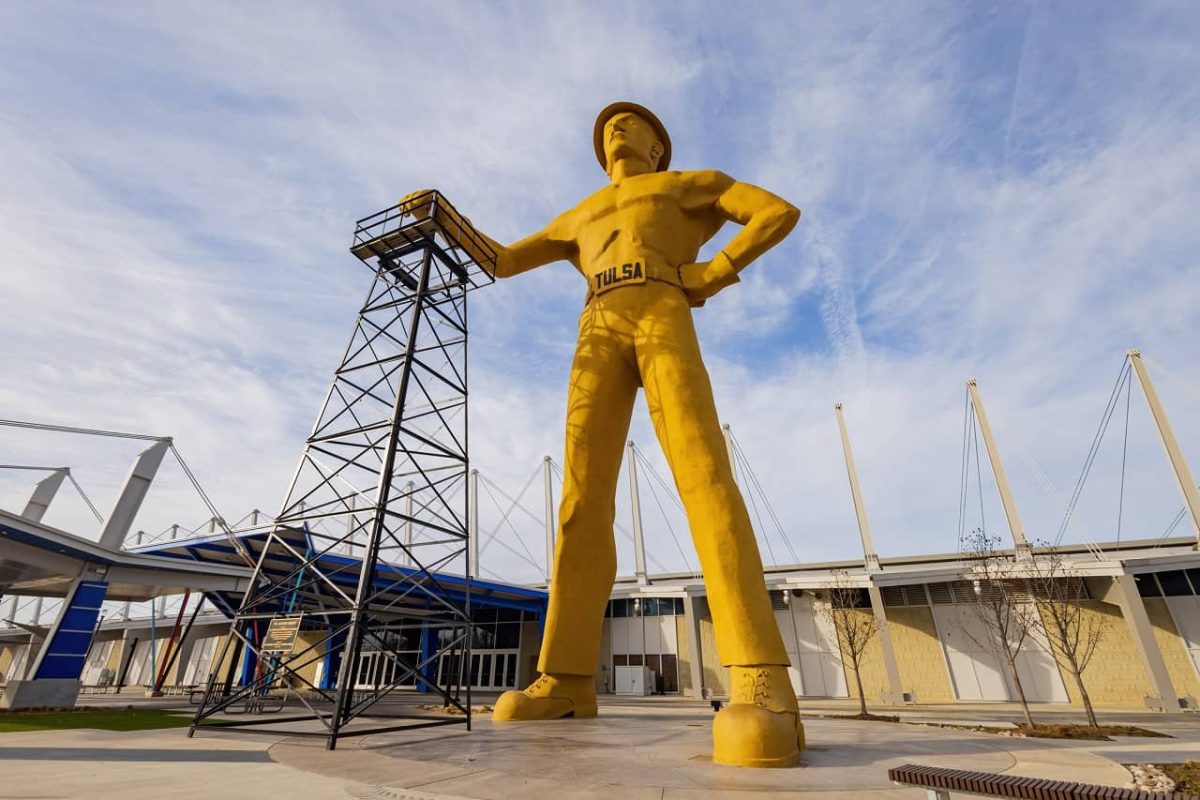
(636, 241)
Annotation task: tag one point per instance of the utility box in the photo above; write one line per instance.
(638, 681)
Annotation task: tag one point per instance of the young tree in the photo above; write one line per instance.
(853, 623)
(1000, 605)
(1074, 634)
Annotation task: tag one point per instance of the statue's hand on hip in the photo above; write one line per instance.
(702, 279)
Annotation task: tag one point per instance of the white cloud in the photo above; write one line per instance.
(986, 194)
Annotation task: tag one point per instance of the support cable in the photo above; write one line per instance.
(38, 426)
(1109, 408)
(963, 477)
(527, 556)
(654, 493)
(978, 470)
(99, 517)
(754, 505)
(1124, 454)
(229, 534)
(618, 527)
(756, 485)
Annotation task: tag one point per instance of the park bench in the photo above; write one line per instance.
(939, 783)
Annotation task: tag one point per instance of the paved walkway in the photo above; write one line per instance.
(636, 749)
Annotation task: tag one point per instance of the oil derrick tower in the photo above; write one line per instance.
(369, 553)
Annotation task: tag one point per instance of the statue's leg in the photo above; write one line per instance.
(761, 725)
(603, 386)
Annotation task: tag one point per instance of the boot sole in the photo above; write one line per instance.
(782, 762)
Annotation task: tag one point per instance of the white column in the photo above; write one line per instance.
(691, 622)
(890, 665)
(1179, 465)
(137, 543)
(548, 482)
(409, 489)
(120, 519)
(1124, 591)
(43, 495)
(1006, 496)
(860, 509)
(639, 542)
(473, 524)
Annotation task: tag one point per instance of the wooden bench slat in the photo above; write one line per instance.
(1014, 786)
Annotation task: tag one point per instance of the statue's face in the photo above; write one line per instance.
(627, 135)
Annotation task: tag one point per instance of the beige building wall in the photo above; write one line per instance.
(685, 655)
(305, 640)
(1115, 676)
(531, 645)
(6, 659)
(604, 670)
(919, 657)
(716, 677)
(919, 654)
(1174, 649)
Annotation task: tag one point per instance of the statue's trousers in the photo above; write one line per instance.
(636, 336)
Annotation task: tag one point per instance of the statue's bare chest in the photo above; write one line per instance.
(645, 210)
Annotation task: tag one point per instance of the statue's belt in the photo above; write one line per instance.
(631, 273)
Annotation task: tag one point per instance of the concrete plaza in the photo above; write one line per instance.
(654, 748)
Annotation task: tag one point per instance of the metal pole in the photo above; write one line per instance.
(1187, 484)
(137, 543)
(860, 509)
(1006, 496)
(473, 524)
(639, 543)
(11, 616)
(547, 477)
(366, 576)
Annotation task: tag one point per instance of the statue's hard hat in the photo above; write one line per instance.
(622, 106)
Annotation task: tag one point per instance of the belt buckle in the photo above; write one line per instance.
(631, 273)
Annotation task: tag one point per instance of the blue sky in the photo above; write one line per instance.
(1003, 191)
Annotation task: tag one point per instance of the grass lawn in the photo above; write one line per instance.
(1085, 731)
(102, 719)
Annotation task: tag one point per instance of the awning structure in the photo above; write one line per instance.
(40, 561)
(391, 580)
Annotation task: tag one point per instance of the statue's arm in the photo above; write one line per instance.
(555, 242)
(765, 218)
(552, 243)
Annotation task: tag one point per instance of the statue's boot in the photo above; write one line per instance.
(549, 697)
(761, 725)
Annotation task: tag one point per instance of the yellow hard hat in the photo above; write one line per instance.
(621, 106)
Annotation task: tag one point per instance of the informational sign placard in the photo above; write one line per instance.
(281, 635)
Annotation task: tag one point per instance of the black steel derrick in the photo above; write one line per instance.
(376, 516)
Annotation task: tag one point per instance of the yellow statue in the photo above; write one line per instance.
(636, 242)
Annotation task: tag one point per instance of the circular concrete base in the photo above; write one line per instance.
(658, 751)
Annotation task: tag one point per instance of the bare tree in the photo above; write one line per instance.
(854, 627)
(1074, 634)
(1001, 606)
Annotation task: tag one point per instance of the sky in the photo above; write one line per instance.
(998, 191)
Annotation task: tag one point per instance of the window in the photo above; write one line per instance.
(1174, 583)
(1147, 586)
(1194, 575)
(508, 635)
